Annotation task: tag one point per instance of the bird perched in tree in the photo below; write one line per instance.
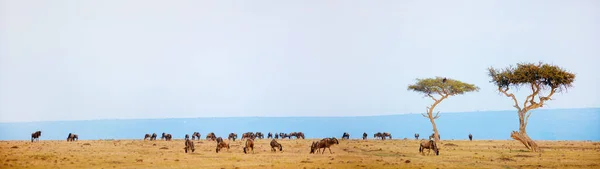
(444, 80)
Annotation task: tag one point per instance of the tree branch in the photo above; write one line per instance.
(429, 94)
(511, 96)
(424, 115)
(527, 118)
(437, 115)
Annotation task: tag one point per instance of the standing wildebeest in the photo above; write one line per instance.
(365, 136)
(430, 145)
(260, 135)
(211, 136)
(377, 135)
(72, 137)
(153, 136)
(219, 139)
(284, 135)
(187, 136)
(249, 145)
(345, 136)
(221, 145)
(189, 145)
(145, 136)
(270, 135)
(36, 135)
(248, 135)
(293, 134)
(276, 136)
(196, 135)
(166, 137)
(275, 144)
(232, 136)
(470, 137)
(386, 134)
(326, 143)
(299, 135)
(416, 136)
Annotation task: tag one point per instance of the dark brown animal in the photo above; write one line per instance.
(470, 137)
(249, 145)
(196, 135)
(416, 136)
(221, 145)
(377, 135)
(430, 145)
(187, 136)
(219, 139)
(364, 136)
(166, 137)
(299, 135)
(211, 136)
(189, 145)
(275, 144)
(147, 136)
(386, 134)
(248, 135)
(153, 137)
(232, 136)
(36, 136)
(313, 147)
(326, 143)
(270, 135)
(345, 136)
(259, 135)
(72, 137)
(276, 136)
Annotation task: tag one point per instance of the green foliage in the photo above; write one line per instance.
(541, 74)
(437, 86)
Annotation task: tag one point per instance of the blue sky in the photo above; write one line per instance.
(77, 60)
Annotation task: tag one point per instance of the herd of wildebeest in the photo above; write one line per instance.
(249, 137)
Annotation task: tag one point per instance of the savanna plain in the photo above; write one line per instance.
(352, 153)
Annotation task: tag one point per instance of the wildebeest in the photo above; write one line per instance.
(211, 136)
(275, 144)
(187, 136)
(249, 145)
(284, 135)
(72, 137)
(232, 136)
(313, 147)
(386, 134)
(248, 135)
(219, 139)
(147, 136)
(153, 136)
(189, 145)
(365, 136)
(276, 136)
(196, 135)
(270, 135)
(430, 145)
(470, 137)
(326, 143)
(299, 135)
(221, 145)
(345, 136)
(259, 135)
(166, 137)
(382, 135)
(293, 134)
(416, 136)
(36, 136)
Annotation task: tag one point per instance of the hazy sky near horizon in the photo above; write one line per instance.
(82, 59)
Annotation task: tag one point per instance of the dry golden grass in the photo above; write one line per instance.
(348, 154)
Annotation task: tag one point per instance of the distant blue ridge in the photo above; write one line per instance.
(555, 124)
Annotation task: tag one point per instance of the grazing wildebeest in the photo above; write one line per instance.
(299, 135)
(416, 136)
(470, 137)
(153, 136)
(275, 144)
(259, 135)
(36, 136)
(386, 134)
(166, 137)
(430, 145)
(345, 136)
(248, 135)
(377, 135)
(276, 136)
(211, 136)
(365, 136)
(187, 136)
(293, 134)
(232, 136)
(283, 135)
(196, 135)
(221, 145)
(219, 139)
(249, 145)
(270, 135)
(147, 136)
(313, 147)
(189, 145)
(72, 137)
(326, 143)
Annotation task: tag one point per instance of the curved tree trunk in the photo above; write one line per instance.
(522, 136)
(435, 131)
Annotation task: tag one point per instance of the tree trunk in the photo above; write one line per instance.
(522, 136)
(435, 131)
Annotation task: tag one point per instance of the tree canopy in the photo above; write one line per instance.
(541, 74)
(438, 85)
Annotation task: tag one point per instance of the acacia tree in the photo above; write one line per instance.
(439, 89)
(538, 77)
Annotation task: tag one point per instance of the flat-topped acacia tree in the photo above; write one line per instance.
(538, 77)
(439, 89)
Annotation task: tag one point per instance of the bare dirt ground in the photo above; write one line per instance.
(348, 154)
